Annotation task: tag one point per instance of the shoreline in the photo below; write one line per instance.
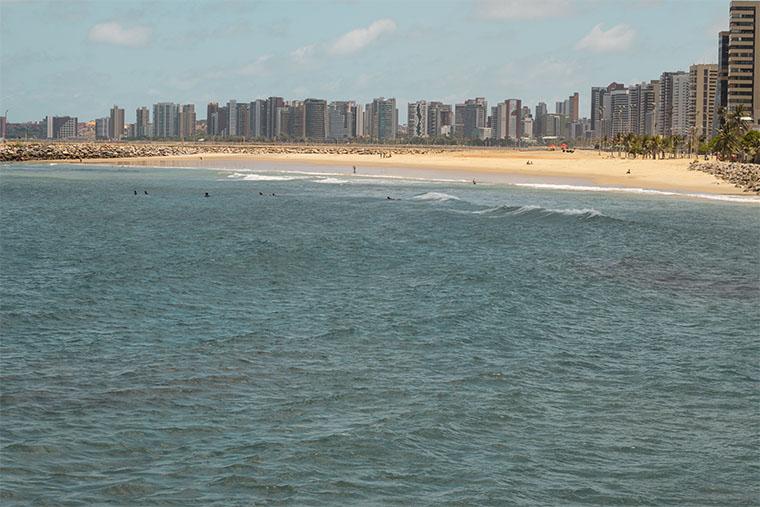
(583, 168)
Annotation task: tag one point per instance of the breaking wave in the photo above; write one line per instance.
(332, 181)
(584, 188)
(260, 177)
(436, 197)
(586, 213)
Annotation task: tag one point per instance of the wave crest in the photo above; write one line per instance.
(436, 197)
(585, 213)
(259, 177)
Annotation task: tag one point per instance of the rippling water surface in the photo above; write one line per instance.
(461, 344)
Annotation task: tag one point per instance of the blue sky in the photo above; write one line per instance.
(81, 57)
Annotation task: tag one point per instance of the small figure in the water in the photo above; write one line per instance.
(389, 198)
(135, 191)
(146, 192)
(354, 169)
(473, 181)
(261, 193)
(206, 195)
(273, 195)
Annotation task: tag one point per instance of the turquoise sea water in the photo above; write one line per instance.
(458, 345)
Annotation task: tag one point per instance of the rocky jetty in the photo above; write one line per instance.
(26, 151)
(744, 176)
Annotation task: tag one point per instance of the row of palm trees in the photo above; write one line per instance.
(733, 141)
(653, 147)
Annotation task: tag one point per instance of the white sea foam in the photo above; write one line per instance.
(532, 209)
(435, 196)
(260, 177)
(356, 178)
(332, 181)
(583, 188)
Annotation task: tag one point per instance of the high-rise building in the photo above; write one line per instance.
(703, 79)
(573, 109)
(620, 120)
(679, 119)
(552, 125)
(527, 122)
(475, 114)
(142, 119)
(360, 124)
(538, 125)
(514, 119)
(186, 121)
(507, 120)
(102, 130)
(232, 119)
(61, 127)
(243, 120)
(342, 120)
(165, 120)
(459, 120)
(272, 117)
(744, 58)
(116, 123)
(292, 122)
(3, 127)
(382, 119)
(315, 119)
(499, 121)
(643, 107)
(257, 123)
(721, 89)
(665, 104)
(440, 119)
(212, 119)
(417, 119)
(224, 114)
(597, 92)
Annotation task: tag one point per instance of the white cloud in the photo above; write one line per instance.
(255, 68)
(115, 33)
(617, 38)
(358, 39)
(302, 54)
(521, 9)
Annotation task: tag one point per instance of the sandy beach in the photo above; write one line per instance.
(581, 167)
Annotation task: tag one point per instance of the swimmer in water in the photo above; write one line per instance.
(261, 193)
(146, 192)
(206, 195)
(354, 169)
(473, 181)
(135, 191)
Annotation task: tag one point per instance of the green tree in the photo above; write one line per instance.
(751, 146)
(728, 141)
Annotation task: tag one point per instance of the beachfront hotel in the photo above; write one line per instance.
(743, 58)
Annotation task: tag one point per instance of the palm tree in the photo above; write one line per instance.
(730, 134)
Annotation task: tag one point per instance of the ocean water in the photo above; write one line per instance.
(460, 344)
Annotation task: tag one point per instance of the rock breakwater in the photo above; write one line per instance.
(18, 152)
(744, 176)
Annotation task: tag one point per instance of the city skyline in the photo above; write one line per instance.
(538, 52)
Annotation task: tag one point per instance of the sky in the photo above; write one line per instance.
(79, 58)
